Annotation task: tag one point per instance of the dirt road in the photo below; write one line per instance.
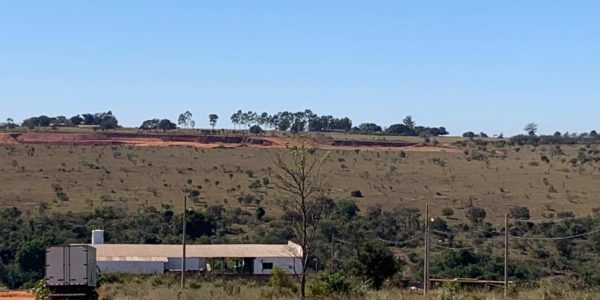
(16, 295)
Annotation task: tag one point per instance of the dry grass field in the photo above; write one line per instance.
(78, 178)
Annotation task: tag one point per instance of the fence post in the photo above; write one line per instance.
(426, 260)
(505, 255)
(183, 256)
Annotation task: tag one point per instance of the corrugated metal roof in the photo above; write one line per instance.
(109, 252)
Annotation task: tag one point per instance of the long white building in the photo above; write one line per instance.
(224, 258)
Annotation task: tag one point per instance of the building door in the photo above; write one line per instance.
(248, 267)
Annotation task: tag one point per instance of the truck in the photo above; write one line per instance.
(71, 272)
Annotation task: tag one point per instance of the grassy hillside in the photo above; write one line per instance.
(494, 177)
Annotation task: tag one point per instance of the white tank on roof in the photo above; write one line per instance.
(97, 236)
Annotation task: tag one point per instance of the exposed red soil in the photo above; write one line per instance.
(6, 138)
(200, 141)
(353, 143)
(16, 295)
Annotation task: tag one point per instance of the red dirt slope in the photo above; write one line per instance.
(6, 138)
(201, 141)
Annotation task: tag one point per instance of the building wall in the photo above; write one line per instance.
(191, 263)
(289, 265)
(131, 267)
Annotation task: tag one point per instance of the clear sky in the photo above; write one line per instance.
(467, 65)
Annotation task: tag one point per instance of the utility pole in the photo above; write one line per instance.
(426, 260)
(333, 253)
(183, 242)
(505, 255)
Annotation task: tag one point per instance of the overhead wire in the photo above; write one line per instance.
(342, 241)
(447, 233)
(463, 234)
(452, 234)
(545, 221)
(400, 243)
(555, 238)
(451, 248)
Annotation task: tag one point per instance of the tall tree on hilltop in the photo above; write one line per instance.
(408, 122)
(212, 119)
(236, 118)
(531, 128)
(263, 119)
(185, 120)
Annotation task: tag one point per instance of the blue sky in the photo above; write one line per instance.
(467, 65)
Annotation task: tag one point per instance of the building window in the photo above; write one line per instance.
(267, 266)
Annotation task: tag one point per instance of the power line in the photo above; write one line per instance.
(465, 234)
(447, 233)
(400, 243)
(555, 238)
(335, 239)
(341, 241)
(545, 221)
(451, 248)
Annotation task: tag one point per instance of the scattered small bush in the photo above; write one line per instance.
(356, 194)
(326, 284)
(447, 212)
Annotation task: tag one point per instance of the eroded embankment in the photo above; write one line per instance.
(202, 141)
(135, 139)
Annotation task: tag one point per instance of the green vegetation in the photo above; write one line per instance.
(8, 124)
(185, 120)
(378, 249)
(103, 120)
(323, 286)
(212, 119)
(295, 122)
(556, 139)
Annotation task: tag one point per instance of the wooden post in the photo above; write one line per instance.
(505, 255)
(183, 256)
(426, 259)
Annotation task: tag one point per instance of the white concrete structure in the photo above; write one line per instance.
(97, 236)
(154, 259)
(265, 265)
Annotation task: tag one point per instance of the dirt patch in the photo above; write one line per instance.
(180, 144)
(34, 137)
(6, 138)
(441, 148)
(16, 295)
(134, 139)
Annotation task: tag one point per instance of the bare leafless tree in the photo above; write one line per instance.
(298, 174)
